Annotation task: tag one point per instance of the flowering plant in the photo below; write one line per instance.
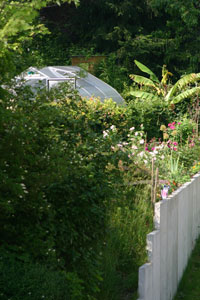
(180, 132)
(195, 168)
(172, 156)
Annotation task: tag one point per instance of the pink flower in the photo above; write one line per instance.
(179, 123)
(153, 148)
(175, 149)
(191, 145)
(120, 145)
(171, 125)
(175, 143)
(134, 147)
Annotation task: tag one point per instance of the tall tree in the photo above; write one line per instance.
(17, 25)
(125, 27)
(181, 20)
(155, 32)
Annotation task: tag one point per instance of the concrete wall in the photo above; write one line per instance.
(177, 226)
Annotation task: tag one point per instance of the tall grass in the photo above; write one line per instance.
(129, 219)
(189, 287)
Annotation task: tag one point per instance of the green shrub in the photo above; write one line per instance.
(55, 183)
(110, 71)
(19, 280)
(64, 193)
(151, 114)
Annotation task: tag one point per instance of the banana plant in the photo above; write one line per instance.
(176, 95)
(157, 87)
(161, 89)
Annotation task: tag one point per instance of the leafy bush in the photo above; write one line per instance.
(55, 183)
(19, 280)
(152, 114)
(112, 72)
(182, 131)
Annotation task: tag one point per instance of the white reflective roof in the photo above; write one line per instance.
(87, 84)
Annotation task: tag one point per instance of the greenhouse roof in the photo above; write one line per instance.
(87, 84)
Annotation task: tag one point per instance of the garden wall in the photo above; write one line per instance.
(177, 226)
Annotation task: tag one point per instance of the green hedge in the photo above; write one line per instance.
(59, 179)
(55, 182)
(20, 280)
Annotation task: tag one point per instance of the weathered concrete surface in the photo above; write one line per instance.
(169, 246)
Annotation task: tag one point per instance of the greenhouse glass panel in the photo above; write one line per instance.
(87, 84)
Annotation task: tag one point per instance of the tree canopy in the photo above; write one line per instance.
(155, 32)
(18, 24)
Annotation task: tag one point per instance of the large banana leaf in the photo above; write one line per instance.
(186, 94)
(144, 95)
(185, 80)
(144, 69)
(142, 80)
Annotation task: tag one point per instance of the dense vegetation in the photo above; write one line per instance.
(155, 32)
(73, 220)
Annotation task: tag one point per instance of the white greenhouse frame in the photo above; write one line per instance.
(85, 83)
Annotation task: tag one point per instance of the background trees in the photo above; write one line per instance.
(153, 32)
(18, 26)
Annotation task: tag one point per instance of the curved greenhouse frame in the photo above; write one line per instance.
(87, 84)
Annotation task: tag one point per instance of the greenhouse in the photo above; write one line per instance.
(87, 84)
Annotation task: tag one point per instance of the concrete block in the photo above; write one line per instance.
(177, 224)
(145, 282)
(153, 247)
(163, 250)
(157, 215)
(195, 214)
(172, 246)
(182, 232)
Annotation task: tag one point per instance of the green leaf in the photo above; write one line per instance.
(144, 69)
(144, 95)
(185, 80)
(142, 80)
(186, 94)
